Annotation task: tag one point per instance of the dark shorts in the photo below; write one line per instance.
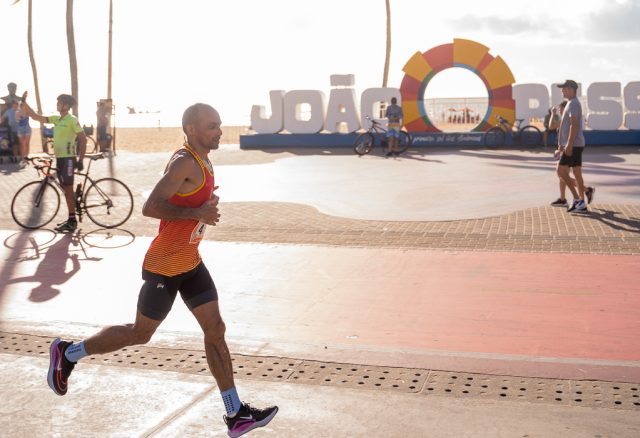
(65, 168)
(159, 292)
(575, 160)
(102, 133)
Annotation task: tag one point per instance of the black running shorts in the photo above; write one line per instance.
(159, 292)
(65, 166)
(575, 160)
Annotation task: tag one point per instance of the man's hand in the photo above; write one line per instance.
(557, 153)
(79, 165)
(209, 211)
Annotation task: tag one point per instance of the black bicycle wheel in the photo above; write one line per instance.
(404, 142)
(530, 136)
(363, 143)
(494, 137)
(108, 202)
(35, 205)
(92, 146)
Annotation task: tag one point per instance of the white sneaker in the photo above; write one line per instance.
(581, 206)
(573, 205)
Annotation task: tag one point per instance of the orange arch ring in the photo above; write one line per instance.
(473, 56)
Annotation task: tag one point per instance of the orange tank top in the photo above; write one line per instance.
(175, 248)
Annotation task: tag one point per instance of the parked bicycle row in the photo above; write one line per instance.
(525, 136)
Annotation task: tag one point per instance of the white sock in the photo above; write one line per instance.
(231, 401)
(75, 352)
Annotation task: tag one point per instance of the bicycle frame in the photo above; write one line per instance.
(376, 127)
(526, 135)
(508, 127)
(47, 172)
(107, 201)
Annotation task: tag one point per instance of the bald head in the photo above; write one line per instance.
(201, 124)
(192, 114)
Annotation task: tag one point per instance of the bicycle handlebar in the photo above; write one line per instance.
(40, 161)
(503, 120)
(372, 121)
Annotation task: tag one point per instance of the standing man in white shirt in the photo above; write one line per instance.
(571, 142)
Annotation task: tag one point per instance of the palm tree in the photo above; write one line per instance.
(110, 49)
(387, 57)
(388, 51)
(34, 70)
(73, 63)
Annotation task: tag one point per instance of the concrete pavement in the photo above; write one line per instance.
(361, 276)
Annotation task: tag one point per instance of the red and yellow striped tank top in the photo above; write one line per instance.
(175, 248)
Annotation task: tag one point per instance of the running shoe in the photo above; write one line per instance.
(248, 418)
(582, 206)
(590, 192)
(574, 204)
(59, 366)
(67, 227)
(559, 202)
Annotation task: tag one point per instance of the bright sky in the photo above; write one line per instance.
(169, 54)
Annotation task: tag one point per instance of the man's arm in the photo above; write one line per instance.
(32, 113)
(554, 120)
(81, 138)
(158, 206)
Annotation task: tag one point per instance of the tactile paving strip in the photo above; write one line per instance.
(407, 380)
(360, 376)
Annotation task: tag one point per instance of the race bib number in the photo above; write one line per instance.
(198, 232)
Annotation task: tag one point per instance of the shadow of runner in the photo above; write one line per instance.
(52, 270)
(609, 218)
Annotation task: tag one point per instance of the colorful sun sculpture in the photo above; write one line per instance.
(473, 56)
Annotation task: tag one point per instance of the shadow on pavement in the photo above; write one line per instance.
(53, 268)
(609, 218)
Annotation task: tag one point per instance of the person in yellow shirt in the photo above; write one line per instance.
(69, 146)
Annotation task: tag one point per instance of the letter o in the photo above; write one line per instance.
(473, 56)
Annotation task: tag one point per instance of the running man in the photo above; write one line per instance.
(394, 116)
(67, 134)
(185, 202)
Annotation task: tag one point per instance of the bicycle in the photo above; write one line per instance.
(108, 202)
(528, 136)
(365, 142)
(92, 144)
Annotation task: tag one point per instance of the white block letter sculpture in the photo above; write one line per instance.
(269, 125)
(293, 102)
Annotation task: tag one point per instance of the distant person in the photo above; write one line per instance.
(102, 116)
(549, 120)
(9, 119)
(69, 146)
(185, 202)
(553, 124)
(571, 144)
(11, 87)
(394, 117)
(24, 131)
